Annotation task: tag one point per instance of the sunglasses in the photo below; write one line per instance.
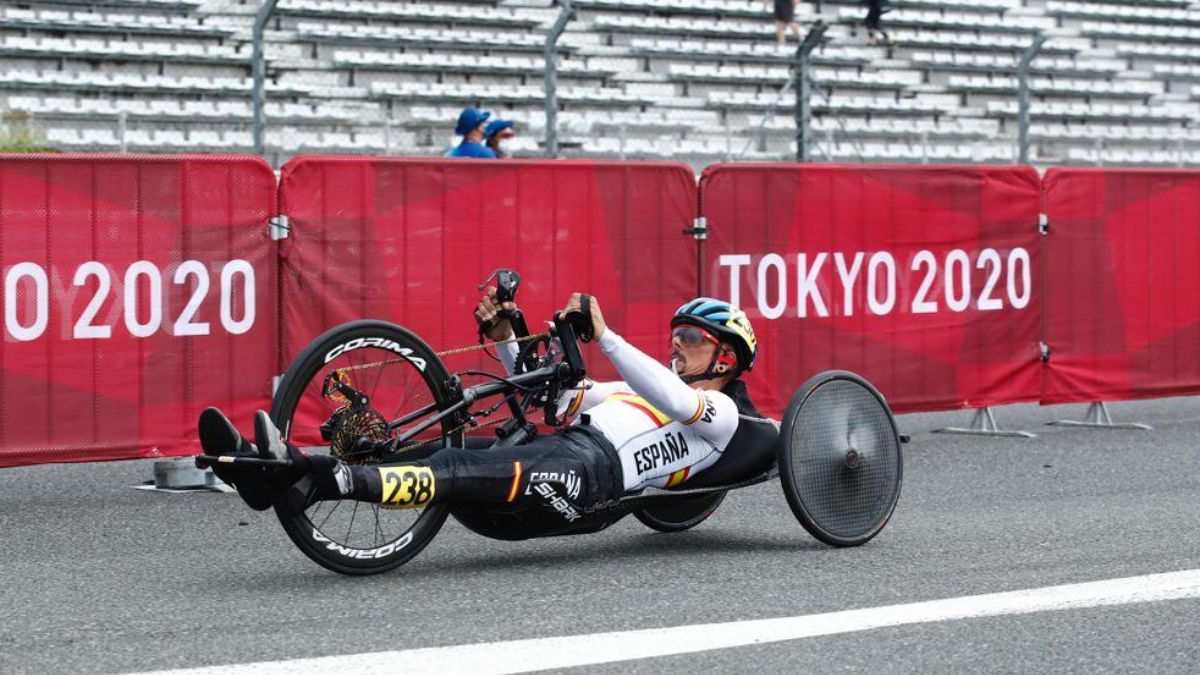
(690, 336)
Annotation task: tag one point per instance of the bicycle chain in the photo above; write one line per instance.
(448, 352)
(469, 423)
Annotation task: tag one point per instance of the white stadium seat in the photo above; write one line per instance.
(1118, 82)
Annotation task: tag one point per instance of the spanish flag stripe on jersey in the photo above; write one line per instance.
(699, 411)
(678, 477)
(640, 403)
(574, 406)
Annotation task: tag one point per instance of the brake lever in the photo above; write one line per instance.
(507, 283)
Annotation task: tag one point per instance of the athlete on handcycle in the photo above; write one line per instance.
(662, 426)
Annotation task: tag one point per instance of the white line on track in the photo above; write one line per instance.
(518, 656)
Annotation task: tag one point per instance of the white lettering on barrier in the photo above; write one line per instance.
(958, 300)
(806, 277)
(848, 277)
(775, 262)
(989, 260)
(942, 283)
(246, 272)
(881, 259)
(921, 304)
(735, 275)
(186, 323)
(146, 269)
(84, 328)
(1019, 256)
(24, 332)
(137, 294)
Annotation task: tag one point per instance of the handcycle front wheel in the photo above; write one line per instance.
(397, 374)
(840, 463)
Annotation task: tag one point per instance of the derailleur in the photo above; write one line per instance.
(355, 432)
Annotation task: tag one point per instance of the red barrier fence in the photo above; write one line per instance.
(136, 291)
(923, 279)
(408, 240)
(1123, 284)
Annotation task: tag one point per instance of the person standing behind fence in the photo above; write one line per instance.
(875, 10)
(470, 126)
(785, 17)
(497, 133)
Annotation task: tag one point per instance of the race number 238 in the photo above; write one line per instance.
(407, 485)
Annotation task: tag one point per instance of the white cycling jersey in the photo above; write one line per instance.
(664, 431)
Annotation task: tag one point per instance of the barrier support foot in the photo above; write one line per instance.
(181, 473)
(984, 424)
(1097, 417)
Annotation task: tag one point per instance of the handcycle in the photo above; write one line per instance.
(372, 392)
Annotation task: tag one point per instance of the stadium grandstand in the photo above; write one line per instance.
(700, 81)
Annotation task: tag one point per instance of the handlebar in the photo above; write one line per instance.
(564, 328)
(568, 328)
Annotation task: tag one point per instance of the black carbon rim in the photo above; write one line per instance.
(677, 516)
(840, 459)
(315, 528)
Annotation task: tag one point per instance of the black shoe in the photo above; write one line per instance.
(219, 437)
(267, 438)
(270, 445)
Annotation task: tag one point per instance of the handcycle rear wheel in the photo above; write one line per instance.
(399, 374)
(677, 516)
(840, 463)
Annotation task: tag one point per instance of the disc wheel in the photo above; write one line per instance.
(679, 515)
(398, 374)
(839, 459)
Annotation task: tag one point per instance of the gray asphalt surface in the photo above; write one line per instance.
(96, 577)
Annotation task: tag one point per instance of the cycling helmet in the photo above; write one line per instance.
(726, 322)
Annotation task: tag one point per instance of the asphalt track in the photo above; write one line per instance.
(97, 577)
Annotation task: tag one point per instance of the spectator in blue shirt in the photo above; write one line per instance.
(470, 126)
(498, 131)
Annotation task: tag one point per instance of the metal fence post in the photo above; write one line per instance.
(1023, 93)
(258, 67)
(122, 129)
(804, 90)
(551, 58)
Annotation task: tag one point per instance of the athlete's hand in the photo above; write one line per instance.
(488, 309)
(575, 304)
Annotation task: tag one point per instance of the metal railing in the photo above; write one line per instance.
(258, 67)
(1023, 96)
(550, 54)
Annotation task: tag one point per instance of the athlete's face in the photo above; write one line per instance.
(692, 349)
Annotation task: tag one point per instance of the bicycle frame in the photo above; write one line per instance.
(565, 373)
(535, 379)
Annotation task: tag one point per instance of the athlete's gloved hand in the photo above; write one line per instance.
(575, 304)
(487, 316)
